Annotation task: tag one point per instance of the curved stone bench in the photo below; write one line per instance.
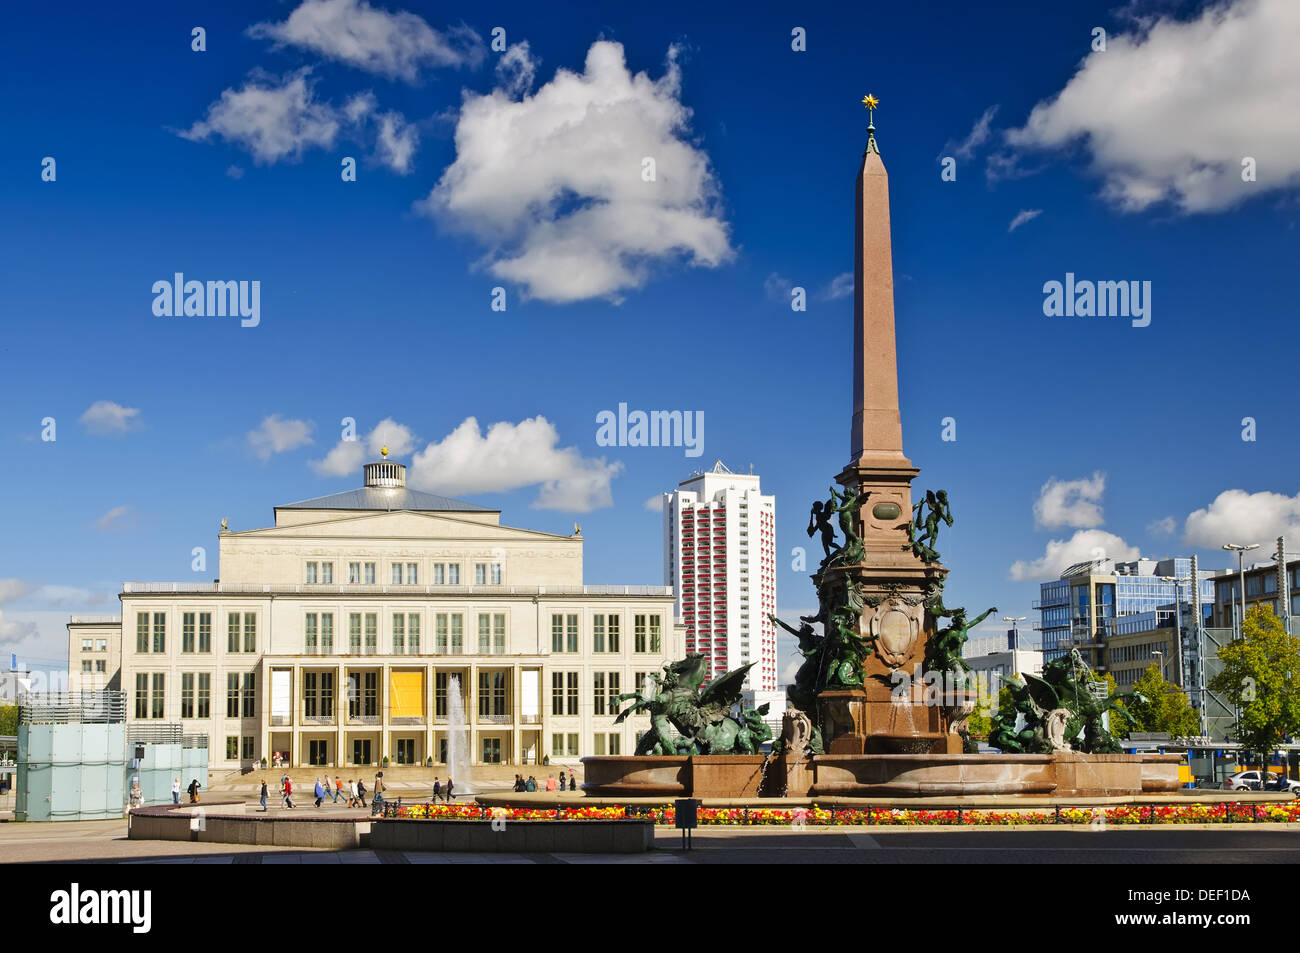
(224, 822)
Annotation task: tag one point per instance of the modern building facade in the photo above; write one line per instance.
(1083, 608)
(1261, 588)
(720, 557)
(370, 624)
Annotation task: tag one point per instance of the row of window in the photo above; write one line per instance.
(196, 632)
(363, 694)
(363, 633)
(100, 645)
(401, 573)
(605, 633)
(566, 745)
(196, 695)
(100, 665)
(605, 689)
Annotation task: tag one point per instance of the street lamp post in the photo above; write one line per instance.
(1015, 633)
(1241, 575)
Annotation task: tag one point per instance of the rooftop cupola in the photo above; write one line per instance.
(385, 473)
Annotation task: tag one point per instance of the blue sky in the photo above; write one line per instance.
(478, 168)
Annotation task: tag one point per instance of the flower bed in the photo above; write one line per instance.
(1191, 813)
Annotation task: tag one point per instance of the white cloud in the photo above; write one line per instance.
(276, 435)
(778, 288)
(551, 184)
(11, 589)
(509, 456)
(655, 504)
(979, 134)
(1024, 215)
(396, 45)
(113, 519)
(396, 142)
(105, 418)
(1162, 527)
(1239, 517)
(235, 172)
(516, 69)
(841, 286)
(1083, 545)
(68, 597)
(1170, 111)
(272, 119)
(1070, 502)
(13, 631)
(346, 457)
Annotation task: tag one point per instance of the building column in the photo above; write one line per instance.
(471, 716)
(516, 713)
(385, 702)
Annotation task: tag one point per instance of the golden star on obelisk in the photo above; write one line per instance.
(871, 102)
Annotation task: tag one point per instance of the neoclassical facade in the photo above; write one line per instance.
(366, 624)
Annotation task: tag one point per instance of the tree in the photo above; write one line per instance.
(8, 720)
(1261, 676)
(1162, 706)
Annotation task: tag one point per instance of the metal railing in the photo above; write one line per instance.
(69, 708)
(143, 733)
(143, 588)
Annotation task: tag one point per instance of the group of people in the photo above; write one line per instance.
(192, 790)
(552, 783)
(439, 793)
(325, 789)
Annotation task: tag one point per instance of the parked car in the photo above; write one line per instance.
(1249, 781)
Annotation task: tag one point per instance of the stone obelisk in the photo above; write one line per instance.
(893, 579)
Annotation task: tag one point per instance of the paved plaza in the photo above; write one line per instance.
(105, 842)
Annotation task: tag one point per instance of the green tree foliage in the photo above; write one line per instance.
(1261, 676)
(1163, 705)
(8, 719)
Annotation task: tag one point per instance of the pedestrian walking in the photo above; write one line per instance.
(319, 792)
(437, 789)
(263, 795)
(288, 792)
(194, 791)
(353, 800)
(176, 790)
(338, 789)
(361, 791)
(519, 783)
(450, 795)
(573, 782)
(377, 800)
(550, 784)
(530, 784)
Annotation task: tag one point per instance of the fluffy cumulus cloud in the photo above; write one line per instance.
(654, 504)
(1070, 502)
(1236, 516)
(509, 456)
(552, 185)
(277, 435)
(347, 456)
(1164, 526)
(271, 118)
(1084, 545)
(397, 45)
(108, 419)
(1170, 111)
